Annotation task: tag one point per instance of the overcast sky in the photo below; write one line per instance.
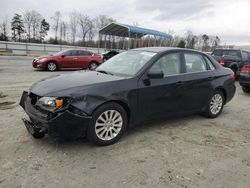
(229, 19)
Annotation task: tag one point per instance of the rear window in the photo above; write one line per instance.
(217, 52)
(84, 53)
(233, 53)
(245, 56)
(195, 63)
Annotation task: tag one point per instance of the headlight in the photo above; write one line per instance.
(52, 103)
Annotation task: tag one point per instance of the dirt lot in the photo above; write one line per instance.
(185, 152)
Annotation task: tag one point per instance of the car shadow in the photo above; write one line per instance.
(138, 129)
(61, 70)
(169, 123)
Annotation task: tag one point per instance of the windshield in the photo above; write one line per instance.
(127, 63)
(59, 53)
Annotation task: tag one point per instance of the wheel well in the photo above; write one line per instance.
(234, 67)
(122, 104)
(93, 62)
(224, 92)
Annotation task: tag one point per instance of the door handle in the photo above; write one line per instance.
(180, 83)
(210, 78)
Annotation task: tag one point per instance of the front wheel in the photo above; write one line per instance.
(51, 66)
(246, 89)
(38, 135)
(107, 125)
(215, 104)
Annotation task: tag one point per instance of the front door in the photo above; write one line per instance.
(161, 96)
(83, 59)
(69, 59)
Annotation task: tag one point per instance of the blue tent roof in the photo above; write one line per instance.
(124, 30)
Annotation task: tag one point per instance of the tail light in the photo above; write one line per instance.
(245, 69)
(233, 76)
(222, 62)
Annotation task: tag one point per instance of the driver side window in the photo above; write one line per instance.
(70, 53)
(169, 64)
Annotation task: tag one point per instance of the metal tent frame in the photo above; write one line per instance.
(131, 32)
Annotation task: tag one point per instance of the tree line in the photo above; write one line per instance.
(80, 29)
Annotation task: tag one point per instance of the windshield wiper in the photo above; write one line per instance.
(105, 72)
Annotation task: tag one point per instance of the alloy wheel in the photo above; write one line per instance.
(216, 104)
(108, 125)
(51, 66)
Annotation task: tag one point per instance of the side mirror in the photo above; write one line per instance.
(62, 56)
(155, 74)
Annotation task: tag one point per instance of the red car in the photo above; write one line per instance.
(74, 58)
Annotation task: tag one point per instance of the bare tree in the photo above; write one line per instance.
(35, 24)
(56, 19)
(61, 32)
(73, 25)
(64, 30)
(91, 32)
(102, 21)
(85, 24)
(205, 46)
(4, 29)
(191, 40)
(27, 23)
(32, 23)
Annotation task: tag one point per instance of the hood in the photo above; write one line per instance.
(66, 82)
(43, 56)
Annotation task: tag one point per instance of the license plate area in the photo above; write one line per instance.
(30, 127)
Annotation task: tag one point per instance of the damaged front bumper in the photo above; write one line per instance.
(66, 124)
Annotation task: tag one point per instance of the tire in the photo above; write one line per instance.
(38, 135)
(107, 125)
(51, 66)
(245, 89)
(93, 66)
(215, 104)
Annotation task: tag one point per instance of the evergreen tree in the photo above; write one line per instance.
(44, 28)
(17, 27)
(181, 44)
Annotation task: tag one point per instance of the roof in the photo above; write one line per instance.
(124, 30)
(162, 49)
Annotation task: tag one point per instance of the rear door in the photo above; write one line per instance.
(83, 59)
(197, 81)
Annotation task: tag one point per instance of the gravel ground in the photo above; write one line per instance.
(191, 151)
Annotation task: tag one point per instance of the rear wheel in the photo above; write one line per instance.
(107, 125)
(246, 89)
(93, 65)
(51, 66)
(215, 104)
